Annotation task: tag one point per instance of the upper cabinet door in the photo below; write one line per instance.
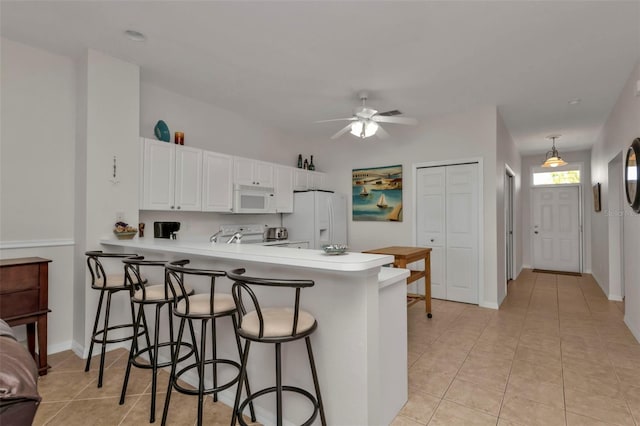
(263, 174)
(300, 180)
(316, 180)
(188, 192)
(252, 172)
(284, 189)
(243, 171)
(159, 175)
(217, 186)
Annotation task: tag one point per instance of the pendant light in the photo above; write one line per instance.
(552, 158)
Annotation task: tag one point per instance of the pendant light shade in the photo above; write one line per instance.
(552, 158)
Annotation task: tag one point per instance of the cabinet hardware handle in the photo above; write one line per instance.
(178, 207)
(431, 240)
(172, 207)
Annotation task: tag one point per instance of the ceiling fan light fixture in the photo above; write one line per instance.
(552, 158)
(364, 129)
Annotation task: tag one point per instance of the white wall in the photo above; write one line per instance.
(210, 127)
(530, 161)
(37, 142)
(215, 129)
(469, 134)
(507, 155)
(112, 129)
(622, 126)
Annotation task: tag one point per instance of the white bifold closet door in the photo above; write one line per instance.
(447, 221)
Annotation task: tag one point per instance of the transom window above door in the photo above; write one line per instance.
(567, 175)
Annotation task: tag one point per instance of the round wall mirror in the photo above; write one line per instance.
(631, 175)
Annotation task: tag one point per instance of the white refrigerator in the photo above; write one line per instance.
(319, 217)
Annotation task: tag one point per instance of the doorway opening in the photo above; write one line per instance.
(509, 191)
(615, 219)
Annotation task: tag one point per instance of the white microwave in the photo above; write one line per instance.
(253, 199)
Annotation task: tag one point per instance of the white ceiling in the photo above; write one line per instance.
(288, 64)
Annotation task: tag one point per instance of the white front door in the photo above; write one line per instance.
(556, 228)
(447, 212)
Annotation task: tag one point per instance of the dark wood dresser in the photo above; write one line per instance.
(24, 299)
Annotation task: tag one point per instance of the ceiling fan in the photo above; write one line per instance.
(365, 121)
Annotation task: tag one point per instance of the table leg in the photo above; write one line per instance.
(42, 345)
(31, 339)
(427, 285)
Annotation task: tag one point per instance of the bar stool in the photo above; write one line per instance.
(107, 284)
(200, 307)
(157, 295)
(273, 325)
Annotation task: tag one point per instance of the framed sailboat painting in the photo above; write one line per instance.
(377, 194)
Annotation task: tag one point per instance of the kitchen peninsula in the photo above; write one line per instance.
(361, 342)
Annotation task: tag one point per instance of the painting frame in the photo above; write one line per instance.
(377, 194)
(597, 206)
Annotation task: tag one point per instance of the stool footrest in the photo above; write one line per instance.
(207, 391)
(141, 352)
(95, 338)
(272, 389)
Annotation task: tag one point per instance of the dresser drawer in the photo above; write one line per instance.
(18, 303)
(19, 278)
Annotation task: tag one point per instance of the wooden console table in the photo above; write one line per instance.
(405, 255)
(24, 299)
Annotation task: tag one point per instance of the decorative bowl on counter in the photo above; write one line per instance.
(334, 249)
(125, 235)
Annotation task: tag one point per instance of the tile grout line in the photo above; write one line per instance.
(57, 412)
(130, 409)
(516, 351)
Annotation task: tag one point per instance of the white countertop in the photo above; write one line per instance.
(388, 276)
(316, 259)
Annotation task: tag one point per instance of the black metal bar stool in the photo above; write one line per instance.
(201, 307)
(273, 325)
(107, 284)
(158, 296)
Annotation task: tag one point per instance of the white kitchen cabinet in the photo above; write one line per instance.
(304, 180)
(252, 172)
(217, 182)
(316, 180)
(300, 180)
(172, 177)
(284, 189)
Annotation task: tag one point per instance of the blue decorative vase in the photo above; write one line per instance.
(162, 131)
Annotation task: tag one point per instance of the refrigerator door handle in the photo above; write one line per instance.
(330, 221)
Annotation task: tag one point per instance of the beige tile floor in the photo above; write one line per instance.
(556, 353)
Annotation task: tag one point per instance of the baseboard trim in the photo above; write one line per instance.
(489, 305)
(634, 331)
(615, 298)
(59, 347)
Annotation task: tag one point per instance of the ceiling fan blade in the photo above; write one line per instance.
(336, 119)
(390, 113)
(395, 120)
(344, 130)
(381, 133)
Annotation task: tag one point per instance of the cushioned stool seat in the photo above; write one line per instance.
(278, 322)
(275, 325)
(157, 296)
(205, 308)
(108, 284)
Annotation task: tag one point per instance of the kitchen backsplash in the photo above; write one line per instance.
(201, 225)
